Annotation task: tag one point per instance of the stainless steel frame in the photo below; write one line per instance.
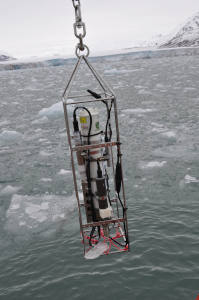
(107, 95)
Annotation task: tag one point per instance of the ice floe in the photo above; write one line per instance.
(137, 110)
(42, 120)
(64, 172)
(190, 179)
(44, 153)
(46, 179)
(169, 134)
(157, 125)
(8, 137)
(37, 213)
(152, 164)
(54, 111)
(120, 71)
(4, 123)
(9, 190)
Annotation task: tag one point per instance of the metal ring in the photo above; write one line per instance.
(78, 52)
(76, 4)
(77, 26)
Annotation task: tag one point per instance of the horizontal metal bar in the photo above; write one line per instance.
(95, 146)
(99, 223)
(86, 95)
(116, 252)
(88, 101)
(112, 200)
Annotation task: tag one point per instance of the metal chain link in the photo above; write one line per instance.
(79, 29)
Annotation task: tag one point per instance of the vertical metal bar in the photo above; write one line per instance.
(113, 174)
(73, 170)
(119, 149)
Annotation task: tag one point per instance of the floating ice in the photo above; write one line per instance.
(169, 134)
(37, 213)
(138, 110)
(46, 179)
(42, 140)
(159, 85)
(9, 190)
(187, 89)
(158, 127)
(153, 164)
(97, 250)
(42, 120)
(190, 179)
(8, 137)
(54, 111)
(115, 71)
(4, 123)
(144, 92)
(44, 153)
(120, 71)
(64, 172)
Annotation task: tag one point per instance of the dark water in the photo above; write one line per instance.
(40, 250)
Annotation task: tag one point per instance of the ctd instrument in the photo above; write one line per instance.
(91, 118)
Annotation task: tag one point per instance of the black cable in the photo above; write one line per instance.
(108, 139)
(95, 95)
(118, 243)
(98, 96)
(118, 183)
(108, 190)
(100, 132)
(91, 235)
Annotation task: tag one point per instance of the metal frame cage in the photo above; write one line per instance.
(117, 237)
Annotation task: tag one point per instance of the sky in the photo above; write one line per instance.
(45, 27)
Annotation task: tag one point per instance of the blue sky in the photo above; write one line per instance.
(42, 27)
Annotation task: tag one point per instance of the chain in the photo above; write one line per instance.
(79, 29)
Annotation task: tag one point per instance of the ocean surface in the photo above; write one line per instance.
(40, 248)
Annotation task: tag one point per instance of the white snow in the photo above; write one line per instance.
(64, 172)
(187, 34)
(8, 137)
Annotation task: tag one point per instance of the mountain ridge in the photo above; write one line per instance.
(5, 57)
(186, 36)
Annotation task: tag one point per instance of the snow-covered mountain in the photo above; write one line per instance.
(4, 56)
(186, 36)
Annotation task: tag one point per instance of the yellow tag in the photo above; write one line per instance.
(83, 120)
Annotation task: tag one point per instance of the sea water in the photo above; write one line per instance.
(40, 249)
